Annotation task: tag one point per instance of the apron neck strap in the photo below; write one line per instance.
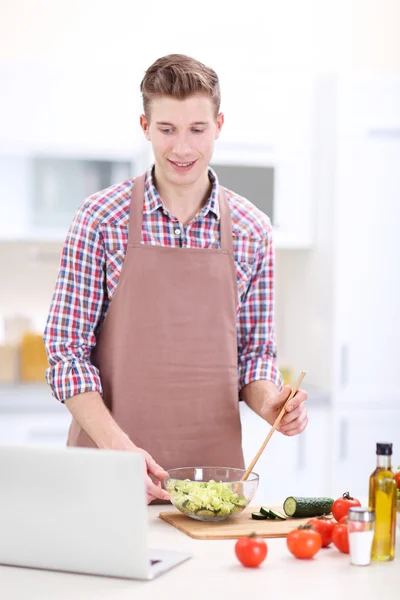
(225, 221)
(136, 211)
(136, 216)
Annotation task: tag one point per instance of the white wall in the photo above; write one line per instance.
(315, 34)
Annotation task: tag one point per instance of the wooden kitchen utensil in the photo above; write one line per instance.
(275, 425)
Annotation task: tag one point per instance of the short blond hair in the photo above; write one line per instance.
(179, 76)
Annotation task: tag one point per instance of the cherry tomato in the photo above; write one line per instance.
(250, 550)
(341, 506)
(397, 478)
(340, 537)
(324, 527)
(304, 542)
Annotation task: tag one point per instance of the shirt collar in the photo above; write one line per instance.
(152, 199)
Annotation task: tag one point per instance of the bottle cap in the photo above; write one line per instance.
(384, 449)
(357, 513)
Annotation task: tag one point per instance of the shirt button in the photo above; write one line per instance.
(177, 232)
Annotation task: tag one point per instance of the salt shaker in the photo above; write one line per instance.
(361, 525)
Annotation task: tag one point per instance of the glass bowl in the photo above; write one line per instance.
(210, 493)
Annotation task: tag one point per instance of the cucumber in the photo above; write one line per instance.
(258, 516)
(296, 506)
(266, 512)
(277, 515)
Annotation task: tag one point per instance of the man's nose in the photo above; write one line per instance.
(181, 147)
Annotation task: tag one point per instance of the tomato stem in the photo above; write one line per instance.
(252, 535)
(347, 496)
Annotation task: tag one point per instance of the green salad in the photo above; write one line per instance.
(206, 498)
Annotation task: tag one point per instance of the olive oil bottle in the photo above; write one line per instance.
(383, 499)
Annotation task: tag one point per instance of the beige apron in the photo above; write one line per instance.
(167, 349)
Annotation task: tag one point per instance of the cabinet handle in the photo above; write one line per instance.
(344, 365)
(343, 439)
(301, 451)
(385, 133)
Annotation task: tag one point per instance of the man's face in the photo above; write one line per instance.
(182, 134)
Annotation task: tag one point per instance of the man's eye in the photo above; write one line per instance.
(166, 130)
(197, 130)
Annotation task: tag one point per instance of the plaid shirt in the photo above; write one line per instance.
(91, 264)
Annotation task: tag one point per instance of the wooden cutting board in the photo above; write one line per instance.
(232, 528)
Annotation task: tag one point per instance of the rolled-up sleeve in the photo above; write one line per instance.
(75, 310)
(257, 352)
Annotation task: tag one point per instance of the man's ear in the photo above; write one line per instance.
(220, 122)
(144, 124)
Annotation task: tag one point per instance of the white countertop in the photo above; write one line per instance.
(214, 572)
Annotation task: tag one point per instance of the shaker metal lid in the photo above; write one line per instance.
(357, 513)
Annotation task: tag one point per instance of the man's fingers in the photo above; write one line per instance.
(155, 490)
(295, 427)
(154, 468)
(298, 398)
(293, 415)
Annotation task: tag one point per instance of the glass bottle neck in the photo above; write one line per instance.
(383, 461)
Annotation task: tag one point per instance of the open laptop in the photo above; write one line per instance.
(79, 510)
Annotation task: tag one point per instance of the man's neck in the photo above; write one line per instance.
(184, 201)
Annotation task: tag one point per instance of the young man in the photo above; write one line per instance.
(163, 308)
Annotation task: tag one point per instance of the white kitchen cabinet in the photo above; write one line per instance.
(289, 465)
(270, 121)
(366, 283)
(355, 435)
(41, 194)
(68, 112)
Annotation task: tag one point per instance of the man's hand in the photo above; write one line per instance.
(295, 419)
(153, 488)
(89, 410)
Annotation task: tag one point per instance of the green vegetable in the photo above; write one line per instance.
(277, 515)
(259, 516)
(268, 513)
(307, 507)
(206, 498)
(265, 511)
(205, 513)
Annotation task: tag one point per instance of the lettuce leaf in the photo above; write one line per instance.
(217, 498)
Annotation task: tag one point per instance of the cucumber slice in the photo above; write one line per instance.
(296, 506)
(202, 512)
(277, 515)
(265, 511)
(258, 516)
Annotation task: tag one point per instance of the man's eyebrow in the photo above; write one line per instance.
(172, 125)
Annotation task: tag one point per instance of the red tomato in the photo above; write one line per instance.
(397, 478)
(340, 537)
(251, 551)
(341, 506)
(324, 527)
(304, 542)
